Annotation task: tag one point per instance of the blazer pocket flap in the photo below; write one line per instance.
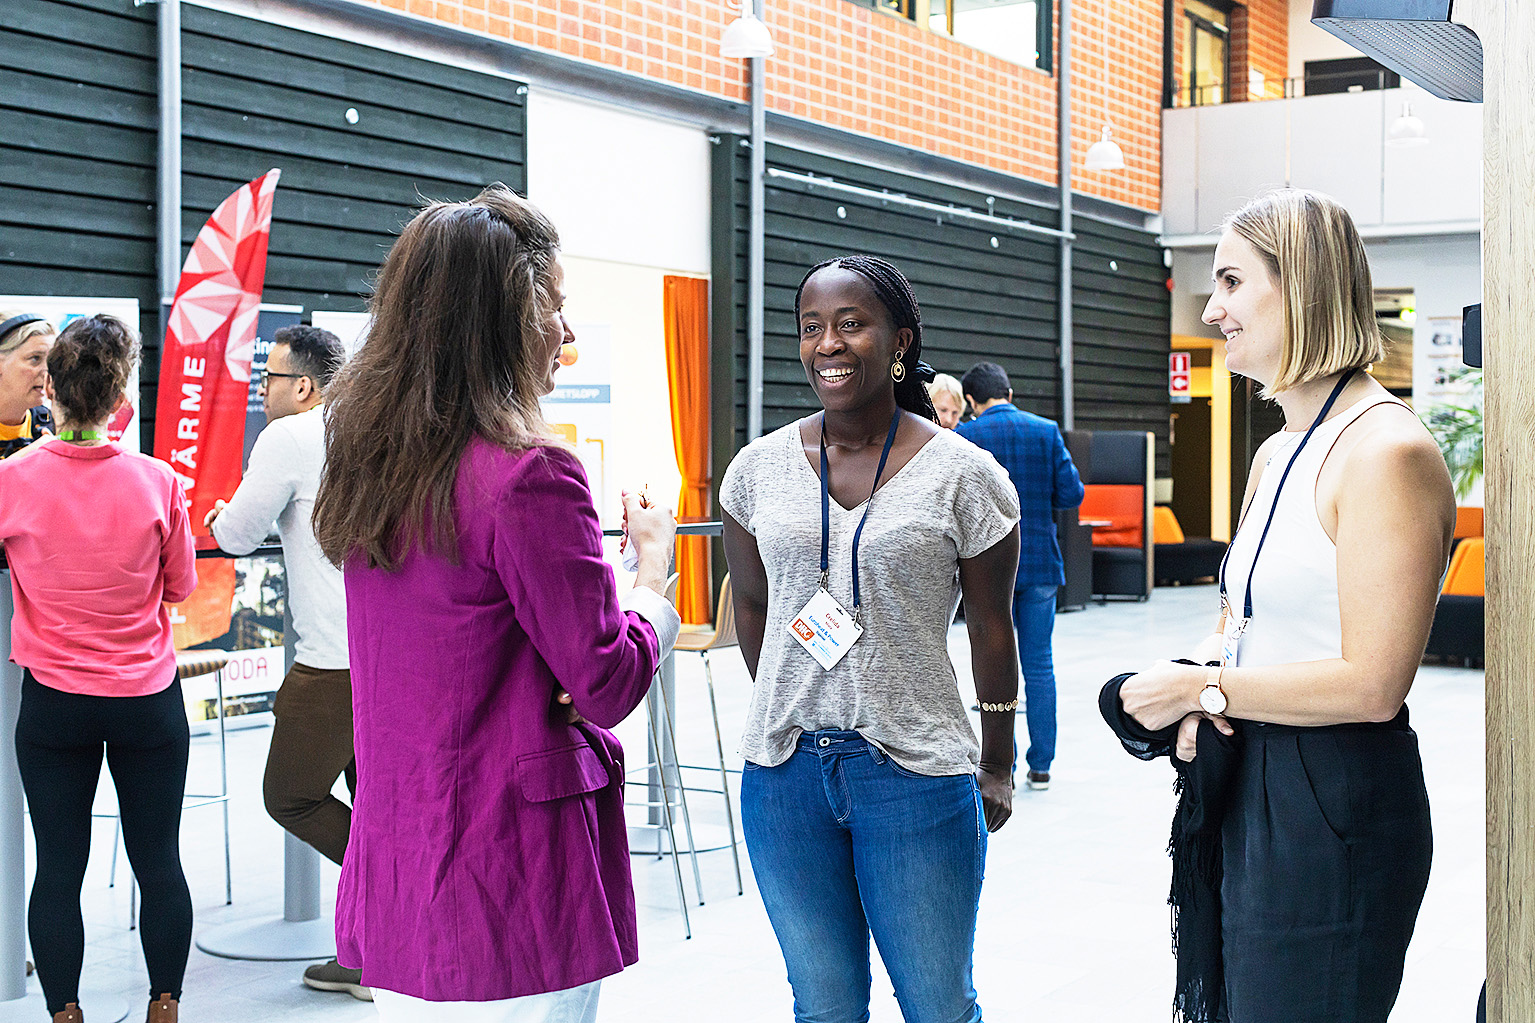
(558, 773)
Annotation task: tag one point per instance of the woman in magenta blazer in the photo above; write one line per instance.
(490, 652)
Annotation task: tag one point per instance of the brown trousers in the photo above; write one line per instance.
(311, 748)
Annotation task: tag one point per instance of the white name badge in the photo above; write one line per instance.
(825, 628)
(1231, 639)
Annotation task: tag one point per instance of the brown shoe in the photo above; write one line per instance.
(71, 1014)
(162, 1010)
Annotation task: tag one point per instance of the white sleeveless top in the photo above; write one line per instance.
(1295, 589)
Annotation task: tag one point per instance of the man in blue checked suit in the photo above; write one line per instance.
(1033, 452)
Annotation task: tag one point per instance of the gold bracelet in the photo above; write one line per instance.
(1001, 708)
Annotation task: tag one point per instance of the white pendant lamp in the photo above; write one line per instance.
(747, 36)
(1406, 131)
(1105, 154)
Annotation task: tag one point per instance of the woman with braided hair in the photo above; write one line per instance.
(850, 536)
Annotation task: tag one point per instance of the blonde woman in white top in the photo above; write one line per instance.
(1329, 591)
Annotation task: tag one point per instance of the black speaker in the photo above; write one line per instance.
(1471, 335)
(1414, 38)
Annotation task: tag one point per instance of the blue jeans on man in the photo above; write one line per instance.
(844, 843)
(1034, 619)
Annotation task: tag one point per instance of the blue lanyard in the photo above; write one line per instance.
(1247, 606)
(895, 421)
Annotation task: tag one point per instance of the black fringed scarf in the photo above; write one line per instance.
(1203, 788)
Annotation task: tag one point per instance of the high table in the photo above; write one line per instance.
(652, 832)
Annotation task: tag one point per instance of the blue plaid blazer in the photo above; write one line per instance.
(1034, 454)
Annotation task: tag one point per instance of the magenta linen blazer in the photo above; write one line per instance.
(488, 855)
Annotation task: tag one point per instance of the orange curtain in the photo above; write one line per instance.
(687, 372)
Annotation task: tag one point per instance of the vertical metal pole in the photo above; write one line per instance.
(300, 861)
(169, 213)
(754, 252)
(13, 852)
(1063, 134)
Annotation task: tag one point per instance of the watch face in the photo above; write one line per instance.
(1213, 700)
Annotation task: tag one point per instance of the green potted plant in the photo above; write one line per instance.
(1458, 431)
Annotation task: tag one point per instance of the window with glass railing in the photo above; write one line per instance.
(1208, 72)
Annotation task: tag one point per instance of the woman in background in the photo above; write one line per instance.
(948, 400)
(98, 541)
(24, 417)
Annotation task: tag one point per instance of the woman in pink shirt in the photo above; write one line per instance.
(97, 539)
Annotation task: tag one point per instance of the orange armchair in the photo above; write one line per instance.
(1460, 621)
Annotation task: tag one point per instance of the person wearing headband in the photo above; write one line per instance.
(98, 543)
(24, 415)
(1290, 721)
(850, 536)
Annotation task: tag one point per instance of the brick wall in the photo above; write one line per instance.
(1267, 45)
(1259, 41)
(869, 72)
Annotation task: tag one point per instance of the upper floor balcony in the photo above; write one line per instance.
(1347, 144)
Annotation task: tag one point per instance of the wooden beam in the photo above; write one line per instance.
(1507, 31)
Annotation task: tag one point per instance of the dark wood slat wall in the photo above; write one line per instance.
(257, 96)
(79, 122)
(79, 117)
(979, 300)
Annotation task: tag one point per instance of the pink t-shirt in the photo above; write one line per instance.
(97, 539)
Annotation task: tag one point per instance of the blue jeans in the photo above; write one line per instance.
(843, 843)
(1034, 618)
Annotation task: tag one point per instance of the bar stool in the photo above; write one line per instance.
(192, 664)
(703, 641)
(663, 737)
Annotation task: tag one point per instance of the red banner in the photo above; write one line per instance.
(205, 379)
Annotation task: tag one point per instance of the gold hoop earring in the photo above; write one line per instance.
(898, 371)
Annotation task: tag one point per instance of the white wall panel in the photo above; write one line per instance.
(1335, 148)
(1216, 158)
(620, 186)
(1179, 163)
(1443, 179)
(1241, 154)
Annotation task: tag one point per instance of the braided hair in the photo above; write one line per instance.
(894, 292)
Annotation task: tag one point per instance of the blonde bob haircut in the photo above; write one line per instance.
(1313, 252)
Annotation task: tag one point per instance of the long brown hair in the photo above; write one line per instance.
(463, 292)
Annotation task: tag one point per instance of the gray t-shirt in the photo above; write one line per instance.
(896, 685)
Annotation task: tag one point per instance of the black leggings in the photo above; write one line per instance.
(59, 738)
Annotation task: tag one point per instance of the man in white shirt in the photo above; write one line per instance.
(312, 735)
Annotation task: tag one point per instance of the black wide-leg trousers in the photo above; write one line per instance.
(1326, 853)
